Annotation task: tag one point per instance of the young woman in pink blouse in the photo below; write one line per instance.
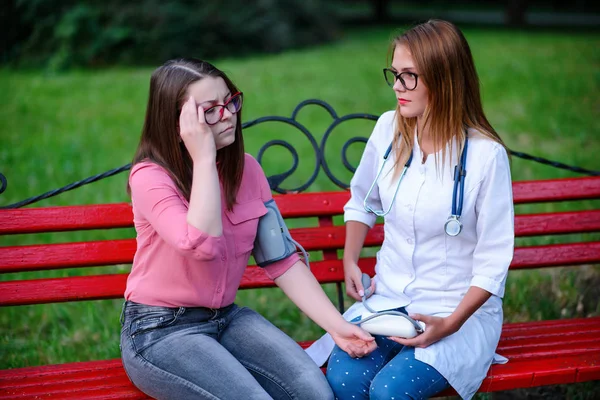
(197, 198)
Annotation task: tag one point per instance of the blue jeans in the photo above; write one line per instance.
(203, 353)
(390, 372)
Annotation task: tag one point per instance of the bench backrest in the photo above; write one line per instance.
(326, 237)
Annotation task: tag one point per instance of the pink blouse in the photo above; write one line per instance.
(175, 264)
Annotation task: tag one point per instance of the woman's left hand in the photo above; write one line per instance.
(353, 340)
(436, 329)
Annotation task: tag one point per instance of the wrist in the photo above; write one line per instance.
(335, 326)
(204, 159)
(454, 322)
(349, 261)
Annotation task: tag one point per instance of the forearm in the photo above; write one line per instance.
(474, 298)
(356, 232)
(302, 288)
(204, 211)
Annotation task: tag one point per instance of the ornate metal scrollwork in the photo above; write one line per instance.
(276, 180)
(344, 157)
(3, 183)
(321, 162)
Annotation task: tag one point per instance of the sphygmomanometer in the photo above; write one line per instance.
(273, 240)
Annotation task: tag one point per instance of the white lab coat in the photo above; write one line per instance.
(423, 269)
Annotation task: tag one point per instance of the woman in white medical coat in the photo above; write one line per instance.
(453, 283)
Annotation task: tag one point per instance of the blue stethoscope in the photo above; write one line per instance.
(453, 226)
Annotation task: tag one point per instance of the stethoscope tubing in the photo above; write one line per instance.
(460, 171)
(385, 157)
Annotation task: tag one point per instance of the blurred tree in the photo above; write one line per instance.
(381, 10)
(515, 12)
(65, 33)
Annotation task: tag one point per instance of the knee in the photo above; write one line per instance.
(385, 389)
(311, 385)
(338, 383)
(346, 385)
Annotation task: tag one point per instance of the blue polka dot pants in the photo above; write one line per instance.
(389, 373)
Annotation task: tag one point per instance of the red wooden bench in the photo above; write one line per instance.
(540, 352)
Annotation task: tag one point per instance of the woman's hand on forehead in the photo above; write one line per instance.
(195, 132)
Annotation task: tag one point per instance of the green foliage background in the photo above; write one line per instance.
(60, 34)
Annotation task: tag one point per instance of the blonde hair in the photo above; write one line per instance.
(443, 59)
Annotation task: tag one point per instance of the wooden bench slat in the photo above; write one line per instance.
(119, 215)
(63, 386)
(101, 392)
(557, 223)
(66, 255)
(556, 255)
(556, 349)
(112, 286)
(57, 256)
(567, 335)
(90, 380)
(586, 373)
(57, 290)
(333, 237)
(112, 252)
(551, 190)
(516, 330)
(22, 292)
(524, 192)
(531, 373)
(56, 371)
(551, 339)
(61, 218)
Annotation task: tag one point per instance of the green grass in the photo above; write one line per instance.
(540, 91)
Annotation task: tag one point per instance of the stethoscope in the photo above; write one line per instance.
(453, 226)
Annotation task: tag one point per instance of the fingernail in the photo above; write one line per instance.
(361, 293)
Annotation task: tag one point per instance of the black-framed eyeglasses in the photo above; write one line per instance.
(407, 79)
(214, 114)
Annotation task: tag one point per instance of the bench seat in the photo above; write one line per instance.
(540, 353)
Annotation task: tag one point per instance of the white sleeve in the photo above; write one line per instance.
(359, 186)
(495, 226)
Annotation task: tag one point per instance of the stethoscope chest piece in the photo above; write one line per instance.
(453, 226)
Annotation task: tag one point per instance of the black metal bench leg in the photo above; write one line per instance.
(340, 297)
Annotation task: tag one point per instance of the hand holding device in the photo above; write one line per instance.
(366, 282)
(387, 323)
(352, 278)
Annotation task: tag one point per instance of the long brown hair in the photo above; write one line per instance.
(160, 140)
(443, 58)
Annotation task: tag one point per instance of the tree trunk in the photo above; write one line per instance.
(381, 9)
(515, 12)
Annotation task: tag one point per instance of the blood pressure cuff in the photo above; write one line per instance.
(273, 240)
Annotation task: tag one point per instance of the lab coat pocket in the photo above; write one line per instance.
(244, 218)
